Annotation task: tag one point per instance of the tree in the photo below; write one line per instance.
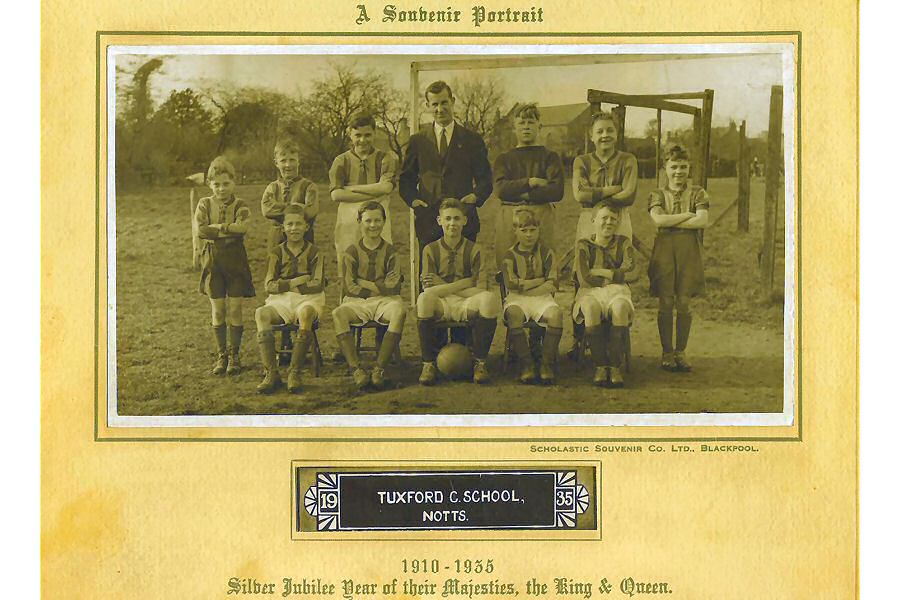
(650, 130)
(134, 109)
(179, 138)
(326, 113)
(392, 114)
(138, 105)
(248, 122)
(480, 100)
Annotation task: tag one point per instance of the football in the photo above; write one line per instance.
(454, 361)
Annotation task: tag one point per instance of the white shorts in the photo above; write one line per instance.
(604, 295)
(346, 227)
(534, 307)
(585, 226)
(371, 309)
(288, 304)
(456, 308)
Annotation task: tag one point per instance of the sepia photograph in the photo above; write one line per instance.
(465, 235)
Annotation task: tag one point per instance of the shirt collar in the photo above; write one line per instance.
(444, 243)
(291, 254)
(534, 250)
(360, 158)
(595, 238)
(608, 160)
(438, 128)
(366, 249)
(687, 186)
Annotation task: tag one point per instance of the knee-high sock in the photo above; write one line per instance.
(348, 347)
(616, 346)
(596, 341)
(551, 345)
(235, 333)
(664, 324)
(266, 341)
(519, 344)
(426, 340)
(389, 344)
(682, 330)
(483, 333)
(221, 335)
(302, 340)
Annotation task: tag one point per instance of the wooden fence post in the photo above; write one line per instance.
(195, 239)
(703, 165)
(743, 173)
(774, 167)
(619, 116)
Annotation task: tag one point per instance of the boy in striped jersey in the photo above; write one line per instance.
(531, 276)
(603, 298)
(371, 286)
(680, 212)
(296, 287)
(455, 288)
(290, 188)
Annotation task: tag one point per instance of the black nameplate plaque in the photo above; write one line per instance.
(430, 500)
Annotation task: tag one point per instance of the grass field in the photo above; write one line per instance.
(165, 346)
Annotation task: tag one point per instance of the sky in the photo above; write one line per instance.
(742, 83)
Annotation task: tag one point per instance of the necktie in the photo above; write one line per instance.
(443, 147)
(363, 172)
(451, 265)
(676, 202)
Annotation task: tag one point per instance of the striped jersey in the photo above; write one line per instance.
(378, 265)
(673, 202)
(453, 264)
(212, 211)
(284, 265)
(616, 255)
(518, 265)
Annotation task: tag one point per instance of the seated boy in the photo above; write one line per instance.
(358, 176)
(531, 275)
(296, 287)
(455, 289)
(371, 286)
(601, 262)
(530, 175)
(289, 188)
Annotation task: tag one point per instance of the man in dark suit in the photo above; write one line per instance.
(441, 161)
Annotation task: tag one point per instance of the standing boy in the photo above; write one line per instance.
(455, 288)
(531, 275)
(444, 160)
(680, 212)
(371, 285)
(225, 277)
(528, 175)
(296, 287)
(289, 188)
(358, 176)
(603, 302)
(606, 176)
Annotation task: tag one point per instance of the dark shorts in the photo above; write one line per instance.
(226, 270)
(676, 264)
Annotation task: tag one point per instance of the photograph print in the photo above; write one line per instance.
(504, 235)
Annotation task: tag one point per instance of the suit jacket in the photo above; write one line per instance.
(425, 176)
